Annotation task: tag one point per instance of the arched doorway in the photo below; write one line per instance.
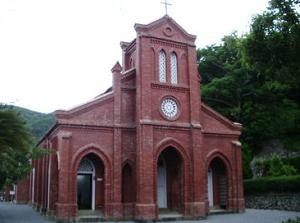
(217, 184)
(86, 185)
(90, 183)
(169, 180)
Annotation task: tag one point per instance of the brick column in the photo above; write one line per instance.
(196, 206)
(116, 205)
(238, 187)
(146, 207)
(116, 210)
(65, 207)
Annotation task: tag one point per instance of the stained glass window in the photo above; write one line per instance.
(162, 66)
(174, 68)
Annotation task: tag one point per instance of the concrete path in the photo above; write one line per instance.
(12, 213)
(252, 216)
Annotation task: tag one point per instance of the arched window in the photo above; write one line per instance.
(162, 66)
(174, 68)
(85, 166)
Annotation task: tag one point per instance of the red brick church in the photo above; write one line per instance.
(146, 146)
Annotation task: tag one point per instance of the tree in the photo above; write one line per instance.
(272, 49)
(255, 79)
(15, 147)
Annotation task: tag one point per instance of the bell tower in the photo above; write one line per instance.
(166, 73)
(167, 106)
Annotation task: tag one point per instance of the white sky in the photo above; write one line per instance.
(56, 54)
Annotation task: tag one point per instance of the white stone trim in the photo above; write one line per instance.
(33, 183)
(49, 182)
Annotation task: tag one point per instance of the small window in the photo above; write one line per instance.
(162, 66)
(174, 79)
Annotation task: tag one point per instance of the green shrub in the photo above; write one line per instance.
(288, 170)
(272, 184)
(247, 157)
(260, 167)
(297, 220)
(275, 166)
(293, 161)
(278, 168)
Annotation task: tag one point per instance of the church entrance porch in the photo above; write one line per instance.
(169, 182)
(90, 187)
(217, 185)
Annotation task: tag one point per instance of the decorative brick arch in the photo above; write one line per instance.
(171, 142)
(98, 152)
(174, 144)
(130, 162)
(217, 153)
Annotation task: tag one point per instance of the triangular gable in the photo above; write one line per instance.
(166, 27)
(96, 111)
(214, 122)
(90, 113)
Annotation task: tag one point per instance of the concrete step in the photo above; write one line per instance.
(90, 219)
(218, 211)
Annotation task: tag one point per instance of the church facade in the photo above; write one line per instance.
(146, 146)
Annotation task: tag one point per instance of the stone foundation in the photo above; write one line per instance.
(279, 201)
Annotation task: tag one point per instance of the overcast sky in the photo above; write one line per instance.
(56, 54)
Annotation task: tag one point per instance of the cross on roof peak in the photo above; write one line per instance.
(166, 5)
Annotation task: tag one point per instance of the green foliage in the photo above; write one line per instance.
(37, 122)
(272, 184)
(15, 144)
(278, 168)
(247, 157)
(296, 220)
(255, 79)
(288, 170)
(274, 166)
(293, 161)
(260, 167)
(16, 147)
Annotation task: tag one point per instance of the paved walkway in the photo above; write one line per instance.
(253, 216)
(12, 213)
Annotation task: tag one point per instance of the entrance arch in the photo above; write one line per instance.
(217, 184)
(90, 183)
(86, 185)
(170, 180)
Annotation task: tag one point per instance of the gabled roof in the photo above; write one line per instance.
(146, 29)
(234, 126)
(79, 108)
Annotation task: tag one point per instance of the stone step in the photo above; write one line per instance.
(90, 219)
(218, 211)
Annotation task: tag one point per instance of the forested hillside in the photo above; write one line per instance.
(254, 79)
(37, 122)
